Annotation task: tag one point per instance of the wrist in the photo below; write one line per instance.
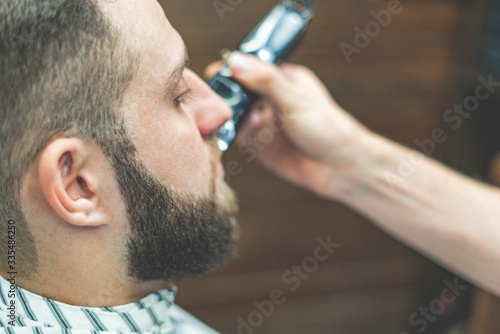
(362, 158)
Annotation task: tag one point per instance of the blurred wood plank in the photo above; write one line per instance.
(331, 308)
(484, 319)
(430, 14)
(220, 289)
(378, 324)
(320, 41)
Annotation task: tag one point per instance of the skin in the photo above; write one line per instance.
(443, 214)
(448, 217)
(70, 197)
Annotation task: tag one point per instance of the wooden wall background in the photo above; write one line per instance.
(399, 86)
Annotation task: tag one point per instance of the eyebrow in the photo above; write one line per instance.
(176, 74)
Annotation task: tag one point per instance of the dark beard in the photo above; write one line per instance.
(173, 235)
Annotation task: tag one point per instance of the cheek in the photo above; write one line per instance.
(189, 161)
(172, 149)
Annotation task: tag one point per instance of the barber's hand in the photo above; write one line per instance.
(317, 139)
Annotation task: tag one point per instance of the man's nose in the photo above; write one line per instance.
(210, 111)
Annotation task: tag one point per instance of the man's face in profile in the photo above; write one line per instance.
(181, 212)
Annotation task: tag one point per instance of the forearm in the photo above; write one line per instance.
(451, 218)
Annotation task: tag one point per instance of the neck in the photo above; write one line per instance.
(90, 290)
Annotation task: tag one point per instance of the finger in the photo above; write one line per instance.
(251, 124)
(213, 68)
(253, 121)
(263, 78)
(282, 158)
(261, 115)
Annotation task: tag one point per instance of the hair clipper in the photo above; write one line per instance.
(271, 40)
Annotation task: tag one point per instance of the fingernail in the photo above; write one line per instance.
(225, 53)
(238, 62)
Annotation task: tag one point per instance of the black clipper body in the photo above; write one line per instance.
(271, 40)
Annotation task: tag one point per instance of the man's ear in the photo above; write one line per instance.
(69, 174)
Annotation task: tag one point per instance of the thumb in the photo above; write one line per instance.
(263, 78)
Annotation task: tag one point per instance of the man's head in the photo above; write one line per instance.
(107, 165)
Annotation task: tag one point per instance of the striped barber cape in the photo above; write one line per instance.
(23, 312)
